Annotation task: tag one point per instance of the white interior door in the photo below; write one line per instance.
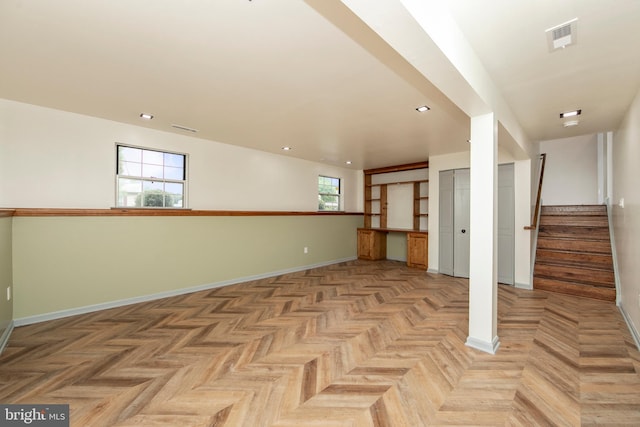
(506, 224)
(461, 220)
(454, 217)
(445, 232)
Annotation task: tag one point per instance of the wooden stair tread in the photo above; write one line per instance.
(572, 231)
(577, 264)
(571, 258)
(574, 221)
(575, 245)
(576, 275)
(576, 289)
(574, 210)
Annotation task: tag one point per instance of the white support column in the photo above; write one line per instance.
(483, 285)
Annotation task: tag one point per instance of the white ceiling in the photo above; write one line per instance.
(310, 74)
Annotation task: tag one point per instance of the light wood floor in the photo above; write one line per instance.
(354, 344)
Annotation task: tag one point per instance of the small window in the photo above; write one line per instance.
(328, 193)
(150, 178)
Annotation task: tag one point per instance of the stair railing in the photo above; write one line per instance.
(536, 211)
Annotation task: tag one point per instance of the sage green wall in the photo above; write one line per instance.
(397, 246)
(62, 263)
(6, 307)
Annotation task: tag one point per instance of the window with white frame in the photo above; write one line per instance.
(148, 178)
(328, 193)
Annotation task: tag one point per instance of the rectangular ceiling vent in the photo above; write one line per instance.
(562, 35)
(188, 129)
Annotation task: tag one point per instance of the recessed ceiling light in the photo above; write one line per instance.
(286, 148)
(146, 116)
(422, 108)
(572, 113)
(570, 123)
(348, 162)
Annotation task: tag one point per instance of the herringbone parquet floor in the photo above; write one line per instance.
(353, 344)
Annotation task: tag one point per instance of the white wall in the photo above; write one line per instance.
(571, 171)
(55, 159)
(522, 185)
(626, 220)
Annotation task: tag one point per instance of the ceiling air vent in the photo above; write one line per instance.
(188, 129)
(562, 35)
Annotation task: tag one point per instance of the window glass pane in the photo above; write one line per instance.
(152, 171)
(173, 173)
(175, 160)
(152, 157)
(128, 191)
(329, 203)
(153, 194)
(328, 185)
(335, 186)
(322, 184)
(174, 194)
(129, 154)
(153, 185)
(130, 168)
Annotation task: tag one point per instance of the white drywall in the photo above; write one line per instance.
(571, 171)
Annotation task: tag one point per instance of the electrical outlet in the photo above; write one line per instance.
(305, 250)
(8, 293)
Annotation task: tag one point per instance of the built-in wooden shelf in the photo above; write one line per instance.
(381, 206)
(372, 241)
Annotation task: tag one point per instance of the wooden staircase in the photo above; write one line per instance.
(574, 252)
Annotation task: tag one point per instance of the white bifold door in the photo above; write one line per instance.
(454, 231)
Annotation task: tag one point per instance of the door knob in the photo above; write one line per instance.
(463, 231)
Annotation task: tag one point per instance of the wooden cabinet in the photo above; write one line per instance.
(372, 244)
(418, 250)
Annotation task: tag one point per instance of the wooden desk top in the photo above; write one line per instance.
(396, 230)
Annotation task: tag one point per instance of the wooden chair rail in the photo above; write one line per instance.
(159, 212)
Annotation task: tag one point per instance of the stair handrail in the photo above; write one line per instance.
(536, 211)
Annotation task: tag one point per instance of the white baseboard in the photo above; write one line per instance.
(4, 339)
(144, 298)
(432, 270)
(487, 347)
(630, 325)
